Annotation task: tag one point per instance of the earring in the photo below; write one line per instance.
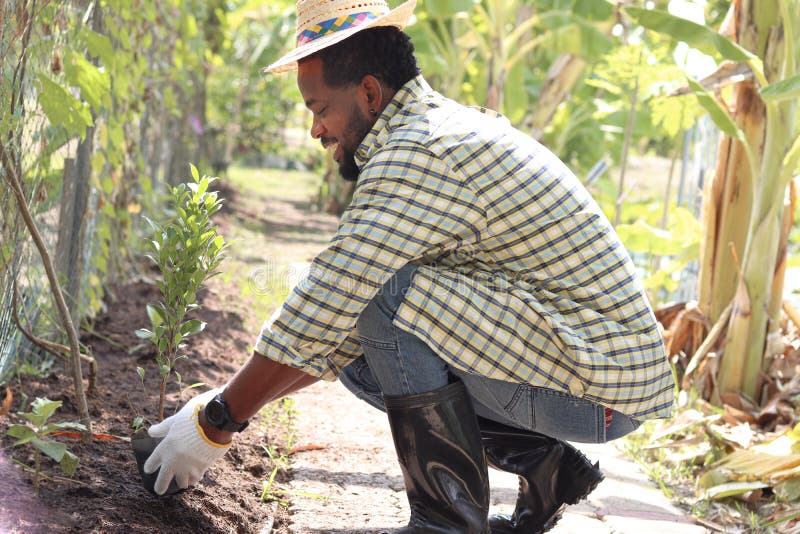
(373, 112)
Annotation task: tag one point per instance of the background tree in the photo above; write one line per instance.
(768, 149)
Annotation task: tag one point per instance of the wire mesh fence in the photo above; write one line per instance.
(90, 128)
(23, 136)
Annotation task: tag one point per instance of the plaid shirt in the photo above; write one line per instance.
(521, 277)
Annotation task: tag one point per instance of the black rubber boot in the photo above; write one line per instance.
(438, 444)
(552, 474)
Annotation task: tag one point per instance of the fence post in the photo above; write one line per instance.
(73, 219)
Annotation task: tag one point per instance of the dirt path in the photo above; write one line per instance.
(356, 472)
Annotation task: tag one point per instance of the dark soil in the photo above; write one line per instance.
(106, 495)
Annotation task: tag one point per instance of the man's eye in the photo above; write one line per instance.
(322, 111)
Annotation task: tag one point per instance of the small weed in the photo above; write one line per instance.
(37, 436)
(281, 414)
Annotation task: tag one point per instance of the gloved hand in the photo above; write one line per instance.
(185, 452)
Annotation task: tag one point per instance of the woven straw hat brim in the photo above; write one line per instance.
(397, 17)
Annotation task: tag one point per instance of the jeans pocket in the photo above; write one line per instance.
(519, 407)
(566, 417)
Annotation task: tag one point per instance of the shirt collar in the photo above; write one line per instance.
(413, 90)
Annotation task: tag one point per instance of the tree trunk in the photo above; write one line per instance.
(743, 359)
(728, 198)
(776, 302)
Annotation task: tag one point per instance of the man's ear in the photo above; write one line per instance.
(372, 93)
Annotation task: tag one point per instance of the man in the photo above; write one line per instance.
(474, 291)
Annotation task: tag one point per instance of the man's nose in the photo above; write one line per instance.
(316, 129)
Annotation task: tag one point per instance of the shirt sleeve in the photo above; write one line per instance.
(408, 206)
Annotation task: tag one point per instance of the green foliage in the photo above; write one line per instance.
(36, 435)
(702, 37)
(63, 109)
(249, 113)
(591, 125)
(572, 34)
(717, 112)
(781, 90)
(674, 114)
(679, 243)
(187, 249)
(94, 83)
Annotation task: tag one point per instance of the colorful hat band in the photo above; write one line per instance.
(334, 25)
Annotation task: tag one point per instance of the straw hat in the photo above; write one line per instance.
(321, 23)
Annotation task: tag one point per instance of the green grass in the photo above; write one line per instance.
(289, 185)
(255, 264)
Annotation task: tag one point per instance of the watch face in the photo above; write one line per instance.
(215, 413)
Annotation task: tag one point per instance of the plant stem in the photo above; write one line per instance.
(162, 394)
(66, 319)
(56, 349)
(37, 464)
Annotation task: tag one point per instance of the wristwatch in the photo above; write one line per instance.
(219, 416)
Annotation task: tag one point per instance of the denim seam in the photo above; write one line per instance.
(376, 344)
(601, 424)
(400, 360)
(515, 400)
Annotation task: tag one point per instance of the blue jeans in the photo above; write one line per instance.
(398, 363)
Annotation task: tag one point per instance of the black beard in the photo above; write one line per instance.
(347, 168)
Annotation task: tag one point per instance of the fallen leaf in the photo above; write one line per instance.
(731, 489)
(740, 435)
(303, 448)
(788, 490)
(5, 404)
(734, 416)
(79, 435)
(682, 424)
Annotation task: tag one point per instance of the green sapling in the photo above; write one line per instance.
(186, 250)
(37, 436)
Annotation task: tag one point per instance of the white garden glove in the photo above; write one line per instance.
(185, 452)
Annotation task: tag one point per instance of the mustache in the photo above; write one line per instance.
(327, 141)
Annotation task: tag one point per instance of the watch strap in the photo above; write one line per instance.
(227, 423)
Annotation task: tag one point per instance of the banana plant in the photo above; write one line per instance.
(437, 35)
(477, 49)
(768, 46)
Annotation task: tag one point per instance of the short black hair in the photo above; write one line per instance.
(384, 52)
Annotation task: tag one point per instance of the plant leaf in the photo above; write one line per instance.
(62, 109)
(783, 90)
(41, 410)
(23, 433)
(192, 327)
(144, 333)
(98, 45)
(53, 449)
(703, 38)
(718, 113)
(155, 315)
(67, 425)
(95, 84)
(69, 463)
(730, 489)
